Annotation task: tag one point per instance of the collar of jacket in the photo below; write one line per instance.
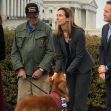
(38, 26)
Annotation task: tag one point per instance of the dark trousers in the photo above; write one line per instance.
(78, 85)
(2, 105)
(108, 93)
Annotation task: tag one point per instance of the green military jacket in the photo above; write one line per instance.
(31, 50)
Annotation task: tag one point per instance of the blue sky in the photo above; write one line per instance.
(99, 20)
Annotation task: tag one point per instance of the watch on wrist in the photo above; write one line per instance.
(106, 67)
(41, 69)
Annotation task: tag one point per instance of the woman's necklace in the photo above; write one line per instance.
(66, 37)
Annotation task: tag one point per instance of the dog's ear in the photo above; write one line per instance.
(62, 86)
(63, 89)
(50, 79)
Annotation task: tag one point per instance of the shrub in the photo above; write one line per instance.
(96, 97)
(9, 76)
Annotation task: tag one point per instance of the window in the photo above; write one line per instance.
(50, 11)
(43, 11)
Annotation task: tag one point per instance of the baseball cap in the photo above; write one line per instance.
(31, 10)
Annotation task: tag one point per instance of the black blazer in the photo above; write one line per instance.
(105, 48)
(2, 44)
(81, 60)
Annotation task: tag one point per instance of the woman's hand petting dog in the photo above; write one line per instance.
(55, 74)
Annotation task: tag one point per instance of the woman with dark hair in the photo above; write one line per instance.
(2, 57)
(73, 59)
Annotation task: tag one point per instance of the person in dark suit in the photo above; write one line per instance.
(105, 53)
(2, 57)
(73, 59)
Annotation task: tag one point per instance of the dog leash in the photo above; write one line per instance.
(29, 80)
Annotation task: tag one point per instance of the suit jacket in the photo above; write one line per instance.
(2, 44)
(81, 60)
(105, 48)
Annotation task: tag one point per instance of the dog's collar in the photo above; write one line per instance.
(57, 98)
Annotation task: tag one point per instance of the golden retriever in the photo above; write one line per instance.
(50, 102)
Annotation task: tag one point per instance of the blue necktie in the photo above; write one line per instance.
(109, 33)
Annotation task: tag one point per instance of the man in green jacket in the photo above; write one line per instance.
(32, 53)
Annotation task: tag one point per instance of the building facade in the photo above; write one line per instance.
(15, 9)
(84, 10)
